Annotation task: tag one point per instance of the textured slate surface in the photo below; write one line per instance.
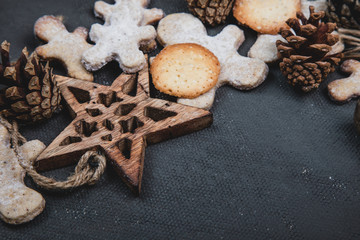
(276, 164)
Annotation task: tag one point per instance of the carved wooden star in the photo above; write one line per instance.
(119, 120)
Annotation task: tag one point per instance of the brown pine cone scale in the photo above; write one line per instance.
(30, 94)
(211, 12)
(345, 13)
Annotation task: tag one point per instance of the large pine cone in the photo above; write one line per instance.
(304, 57)
(345, 13)
(30, 94)
(211, 12)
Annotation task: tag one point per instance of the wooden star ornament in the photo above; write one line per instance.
(119, 120)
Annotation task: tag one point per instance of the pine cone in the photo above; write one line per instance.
(211, 12)
(345, 13)
(30, 94)
(304, 57)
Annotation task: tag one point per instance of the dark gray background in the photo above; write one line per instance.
(276, 163)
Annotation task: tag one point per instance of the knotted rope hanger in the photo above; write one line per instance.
(88, 170)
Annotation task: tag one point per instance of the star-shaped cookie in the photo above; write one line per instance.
(119, 120)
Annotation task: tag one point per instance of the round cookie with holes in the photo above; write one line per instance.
(185, 70)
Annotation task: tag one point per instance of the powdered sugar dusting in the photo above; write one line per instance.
(346, 88)
(62, 45)
(18, 203)
(119, 39)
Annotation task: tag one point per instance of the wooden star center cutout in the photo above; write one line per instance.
(120, 120)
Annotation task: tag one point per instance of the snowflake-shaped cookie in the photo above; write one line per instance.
(125, 30)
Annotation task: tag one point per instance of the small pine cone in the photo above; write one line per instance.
(304, 57)
(345, 13)
(31, 93)
(304, 74)
(211, 12)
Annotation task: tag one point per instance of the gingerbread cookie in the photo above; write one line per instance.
(62, 45)
(185, 70)
(18, 203)
(265, 48)
(265, 16)
(343, 90)
(125, 30)
(240, 72)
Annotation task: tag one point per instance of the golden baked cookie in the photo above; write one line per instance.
(265, 16)
(185, 70)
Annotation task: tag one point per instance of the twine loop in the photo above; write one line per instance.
(88, 170)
